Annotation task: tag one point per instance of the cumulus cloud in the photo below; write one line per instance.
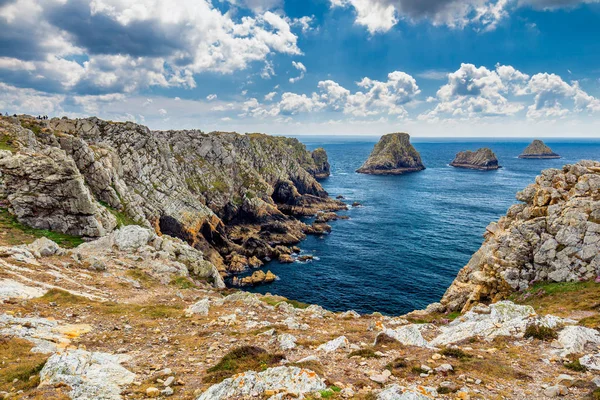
(211, 97)
(104, 46)
(300, 67)
(382, 15)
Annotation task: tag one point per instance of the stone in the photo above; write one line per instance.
(44, 247)
(169, 381)
(577, 339)
(591, 361)
(16, 290)
(409, 335)
(482, 159)
(444, 368)
(132, 237)
(396, 392)
(200, 307)
(322, 167)
(556, 391)
(338, 343)
(286, 341)
(152, 392)
(292, 380)
(89, 375)
(392, 155)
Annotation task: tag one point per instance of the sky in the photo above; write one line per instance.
(441, 68)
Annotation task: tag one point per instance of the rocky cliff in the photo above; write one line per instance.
(552, 235)
(393, 155)
(538, 149)
(231, 196)
(482, 159)
(323, 169)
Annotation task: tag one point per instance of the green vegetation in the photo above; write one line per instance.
(365, 353)
(182, 282)
(15, 233)
(398, 363)
(575, 366)
(540, 332)
(122, 218)
(242, 359)
(562, 299)
(220, 186)
(274, 301)
(20, 368)
(32, 126)
(7, 143)
(455, 352)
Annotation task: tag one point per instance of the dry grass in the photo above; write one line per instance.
(19, 368)
(242, 359)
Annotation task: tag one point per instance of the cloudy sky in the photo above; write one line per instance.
(429, 67)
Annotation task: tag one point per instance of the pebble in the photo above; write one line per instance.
(152, 392)
(169, 381)
(556, 390)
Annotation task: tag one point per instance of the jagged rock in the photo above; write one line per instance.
(10, 289)
(322, 167)
(292, 380)
(392, 155)
(254, 262)
(482, 159)
(132, 237)
(286, 259)
(409, 335)
(335, 344)
(44, 247)
(286, 341)
(537, 149)
(201, 307)
(554, 235)
(577, 339)
(90, 375)
(591, 361)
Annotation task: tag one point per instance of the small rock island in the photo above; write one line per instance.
(323, 169)
(482, 159)
(538, 149)
(393, 155)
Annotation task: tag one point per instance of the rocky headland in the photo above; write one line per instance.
(482, 159)
(231, 196)
(538, 149)
(133, 312)
(393, 155)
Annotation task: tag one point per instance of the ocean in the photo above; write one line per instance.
(403, 247)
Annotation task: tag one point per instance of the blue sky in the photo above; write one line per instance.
(430, 67)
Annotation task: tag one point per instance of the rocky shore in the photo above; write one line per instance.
(231, 196)
(482, 159)
(538, 149)
(393, 155)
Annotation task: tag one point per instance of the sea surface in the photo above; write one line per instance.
(403, 247)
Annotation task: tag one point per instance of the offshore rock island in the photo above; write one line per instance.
(393, 155)
(114, 241)
(482, 159)
(538, 149)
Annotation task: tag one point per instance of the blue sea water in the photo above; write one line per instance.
(402, 249)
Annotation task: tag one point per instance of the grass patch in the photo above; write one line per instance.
(455, 352)
(274, 301)
(540, 332)
(418, 370)
(245, 358)
(7, 143)
(397, 364)
(15, 233)
(122, 218)
(595, 395)
(182, 282)
(314, 366)
(364, 353)
(17, 362)
(575, 366)
(563, 298)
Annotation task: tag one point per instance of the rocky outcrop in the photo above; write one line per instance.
(392, 155)
(322, 168)
(553, 235)
(537, 149)
(220, 192)
(482, 159)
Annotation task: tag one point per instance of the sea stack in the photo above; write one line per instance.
(392, 155)
(538, 149)
(482, 159)
(323, 168)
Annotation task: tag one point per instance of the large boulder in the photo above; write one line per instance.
(538, 149)
(392, 155)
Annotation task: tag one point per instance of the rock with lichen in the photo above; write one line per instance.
(393, 155)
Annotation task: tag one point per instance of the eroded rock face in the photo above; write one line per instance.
(538, 149)
(322, 167)
(553, 235)
(482, 159)
(90, 375)
(292, 380)
(393, 155)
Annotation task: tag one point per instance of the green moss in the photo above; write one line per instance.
(540, 332)
(220, 186)
(7, 143)
(575, 366)
(182, 282)
(122, 218)
(273, 301)
(18, 233)
(33, 127)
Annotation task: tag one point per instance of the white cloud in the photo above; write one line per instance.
(211, 97)
(268, 71)
(270, 96)
(29, 101)
(304, 23)
(300, 67)
(162, 111)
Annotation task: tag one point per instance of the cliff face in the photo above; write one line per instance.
(553, 235)
(86, 176)
(393, 155)
(323, 169)
(537, 149)
(482, 159)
